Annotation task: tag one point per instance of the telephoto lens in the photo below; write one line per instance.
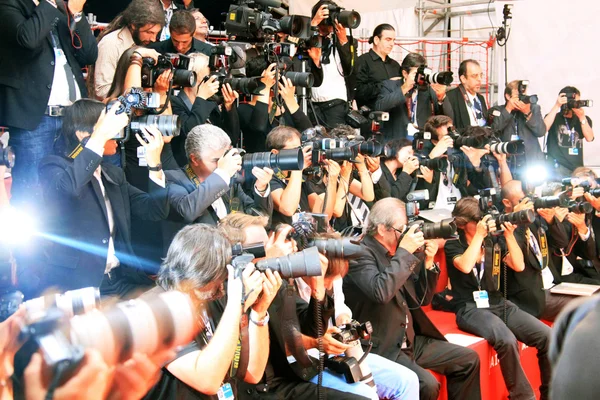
(339, 154)
(594, 192)
(184, 78)
(523, 217)
(296, 265)
(73, 302)
(582, 207)
(533, 99)
(145, 325)
(369, 148)
(439, 164)
(284, 160)
(548, 202)
(7, 156)
(338, 248)
(300, 79)
(514, 147)
(168, 125)
(439, 230)
(477, 142)
(247, 86)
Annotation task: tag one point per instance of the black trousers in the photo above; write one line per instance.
(488, 323)
(285, 389)
(554, 305)
(459, 364)
(330, 113)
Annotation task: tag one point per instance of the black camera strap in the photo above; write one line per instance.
(290, 327)
(492, 263)
(241, 357)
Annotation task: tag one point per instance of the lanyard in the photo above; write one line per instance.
(571, 131)
(192, 175)
(479, 272)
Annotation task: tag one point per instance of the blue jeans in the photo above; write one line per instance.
(30, 148)
(393, 381)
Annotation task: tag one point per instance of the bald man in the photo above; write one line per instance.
(529, 289)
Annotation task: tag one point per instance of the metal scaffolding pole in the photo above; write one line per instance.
(452, 5)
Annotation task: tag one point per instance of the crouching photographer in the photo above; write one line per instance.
(476, 268)
(232, 345)
(388, 284)
(90, 206)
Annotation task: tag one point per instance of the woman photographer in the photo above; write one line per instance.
(482, 310)
(256, 115)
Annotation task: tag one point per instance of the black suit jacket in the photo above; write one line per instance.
(582, 256)
(27, 61)
(388, 186)
(455, 107)
(392, 100)
(77, 224)
(381, 289)
(526, 288)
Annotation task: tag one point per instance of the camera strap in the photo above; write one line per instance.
(290, 329)
(192, 175)
(241, 357)
(493, 262)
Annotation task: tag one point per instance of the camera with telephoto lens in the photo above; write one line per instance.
(569, 183)
(550, 201)
(295, 265)
(523, 217)
(580, 207)
(477, 142)
(250, 20)
(7, 157)
(147, 325)
(513, 147)
(177, 63)
(439, 164)
(283, 160)
(136, 98)
(445, 229)
(522, 88)
(348, 19)
(573, 103)
(352, 364)
(71, 303)
(426, 76)
(305, 226)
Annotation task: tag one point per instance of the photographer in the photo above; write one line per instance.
(529, 289)
(464, 104)
(517, 120)
(397, 170)
(195, 106)
(206, 190)
(480, 307)
(182, 28)
(138, 25)
(388, 285)
(567, 128)
(285, 377)
(202, 26)
(290, 194)
(197, 264)
(92, 204)
(255, 117)
(409, 104)
(45, 44)
(376, 66)
(336, 60)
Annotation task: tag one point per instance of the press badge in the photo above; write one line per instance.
(451, 200)
(573, 151)
(225, 392)
(141, 155)
(482, 299)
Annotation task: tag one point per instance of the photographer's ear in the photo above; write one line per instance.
(275, 151)
(194, 160)
(507, 204)
(81, 135)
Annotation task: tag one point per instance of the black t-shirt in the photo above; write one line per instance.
(308, 187)
(463, 285)
(565, 141)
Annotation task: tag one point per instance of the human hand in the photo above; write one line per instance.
(231, 162)
(578, 191)
(359, 163)
(333, 169)
(410, 165)
(373, 163)
(524, 204)
(511, 104)
(147, 53)
(431, 248)
(426, 174)
(474, 155)
(321, 14)
(263, 177)
(208, 87)
(547, 213)
(440, 91)
(89, 382)
(579, 113)
(270, 287)
(136, 376)
(562, 99)
(75, 6)
(230, 96)
(442, 146)
(331, 345)
(509, 229)
(307, 151)
(522, 107)
(268, 77)
(409, 82)
(561, 213)
(253, 280)
(340, 32)
(153, 143)
(9, 339)
(594, 201)
(287, 90)
(578, 221)
(346, 170)
(412, 240)
(161, 85)
(109, 124)
(278, 244)
(486, 225)
(500, 157)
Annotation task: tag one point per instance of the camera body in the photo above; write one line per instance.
(426, 76)
(348, 19)
(445, 229)
(573, 103)
(527, 99)
(177, 63)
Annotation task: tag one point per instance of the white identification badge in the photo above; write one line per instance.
(411, 129)
(547, 278)
(573, 151)
(225, 392)
(567, 267)
(482, 299)
(141, 155)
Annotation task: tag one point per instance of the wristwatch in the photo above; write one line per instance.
(157, 168)
(258, 322)
(583, 121)
(77, 16)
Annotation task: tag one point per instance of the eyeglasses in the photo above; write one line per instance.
(401, 232)
(475, 76)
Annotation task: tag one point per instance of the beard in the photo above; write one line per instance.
(135, 35)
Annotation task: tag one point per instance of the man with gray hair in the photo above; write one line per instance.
(205, 190)
(388, 285)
